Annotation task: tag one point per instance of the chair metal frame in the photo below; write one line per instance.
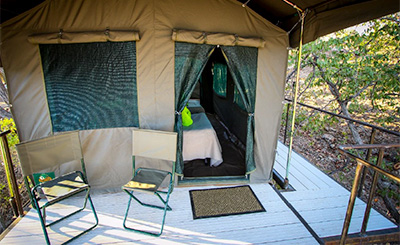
(156, 191)
(34, 195)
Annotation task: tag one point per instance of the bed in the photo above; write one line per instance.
(200, 140)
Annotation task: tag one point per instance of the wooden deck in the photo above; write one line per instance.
(267, 227)
(318, 199)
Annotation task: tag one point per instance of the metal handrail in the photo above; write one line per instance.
(356, 183)
(349, 119)
(372, 136)
(369, 146)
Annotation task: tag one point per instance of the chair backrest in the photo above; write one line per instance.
(154, 144)
(51, 151)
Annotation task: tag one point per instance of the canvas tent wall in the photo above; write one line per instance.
(148, 26)
(323, 16)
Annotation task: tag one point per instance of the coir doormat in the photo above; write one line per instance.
(217, 202)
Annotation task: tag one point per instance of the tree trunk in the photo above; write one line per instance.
(389, 204)
(353, 129)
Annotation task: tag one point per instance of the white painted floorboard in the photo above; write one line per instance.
(277, 225)
(320, 200)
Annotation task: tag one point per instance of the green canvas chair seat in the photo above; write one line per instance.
(63, 187)
(156, 145)
(38, 156)
(146, 180)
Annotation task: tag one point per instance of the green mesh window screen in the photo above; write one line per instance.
(242, 63)
(90, 85)
(237, 98)
(219, 79)
(190, 60)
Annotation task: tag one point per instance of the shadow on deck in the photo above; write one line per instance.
(316, 209)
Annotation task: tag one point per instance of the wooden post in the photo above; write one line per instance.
(372, 191)
(10, 173)
(368, 157)
(350, 206)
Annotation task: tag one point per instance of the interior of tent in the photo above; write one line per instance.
(216, 98)
(216, 84)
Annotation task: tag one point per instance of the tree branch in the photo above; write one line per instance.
(308, 85)
(389, 204)
(361, 90)
(331, 85)
(291, 75)
(391, 19)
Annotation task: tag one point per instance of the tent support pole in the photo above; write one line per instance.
(291, 132)
(294, 6)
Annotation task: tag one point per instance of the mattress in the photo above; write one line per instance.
(194, 106)
(200, 141)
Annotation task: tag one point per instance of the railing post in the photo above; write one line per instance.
(372, 192)
(352, 200)
(10, 173)
(286, 122)
(368, 157)
(371, 141)
(377, 170)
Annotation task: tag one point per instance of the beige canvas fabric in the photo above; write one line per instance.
(107, 151)
(62, 37)
(49, 152)
(154, 144)
(325, 19)
(216, 38)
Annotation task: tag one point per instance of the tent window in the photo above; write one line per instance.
(237, 99)
(219, 79)
(90, 85)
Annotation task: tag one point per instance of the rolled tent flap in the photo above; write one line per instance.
(62, 37)
(216, 38)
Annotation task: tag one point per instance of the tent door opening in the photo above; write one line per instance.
(216, 99)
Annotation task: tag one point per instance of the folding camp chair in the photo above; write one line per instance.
(157, 145)
(40, 155)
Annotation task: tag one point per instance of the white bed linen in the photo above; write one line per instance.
(200, 141)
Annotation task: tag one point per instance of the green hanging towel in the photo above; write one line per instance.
(186, 117)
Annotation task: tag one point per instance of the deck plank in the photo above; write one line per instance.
(320, 200)
(180, 228)
(302, 166)
(323, 202)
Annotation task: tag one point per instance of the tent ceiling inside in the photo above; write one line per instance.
(324, 16)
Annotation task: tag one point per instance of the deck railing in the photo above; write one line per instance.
(374, 130)
(362, 165)
(377, 169)
(373, 127)
(15, 198)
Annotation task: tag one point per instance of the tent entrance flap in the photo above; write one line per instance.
(222, 84)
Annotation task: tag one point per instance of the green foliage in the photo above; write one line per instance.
(12, 138)
(8, 124)
(3, 193)
(358, 67)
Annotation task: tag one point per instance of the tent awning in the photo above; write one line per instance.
(324, 16)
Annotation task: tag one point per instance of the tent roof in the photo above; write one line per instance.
(323, 16)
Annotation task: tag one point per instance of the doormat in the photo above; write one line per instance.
(218, 202)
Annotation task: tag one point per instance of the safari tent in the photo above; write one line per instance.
(105, 66)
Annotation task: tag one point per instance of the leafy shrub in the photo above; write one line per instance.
(12, 138)
(8, 124)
